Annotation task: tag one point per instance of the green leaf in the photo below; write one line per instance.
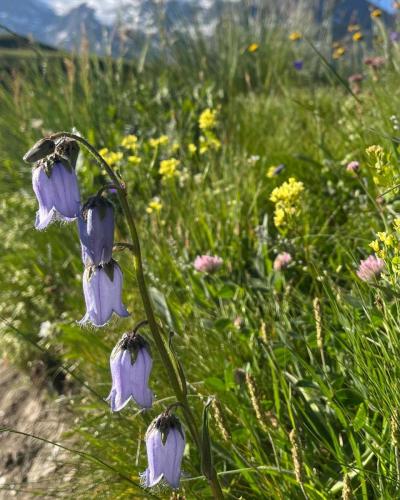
(360, 418)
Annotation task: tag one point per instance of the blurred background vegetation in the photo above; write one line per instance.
(310, 347)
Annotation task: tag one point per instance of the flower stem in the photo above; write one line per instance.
(158, 339)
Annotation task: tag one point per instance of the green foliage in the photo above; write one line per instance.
(248, 334)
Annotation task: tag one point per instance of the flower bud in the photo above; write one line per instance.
(40, 150)
(130, 364)
(56, 189)
(165, 443)
(102, 288)
(96, 231)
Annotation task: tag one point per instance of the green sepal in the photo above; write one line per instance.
(206, 454)
(96, 202)
(40, 150)
(109, 269)
(164, 423)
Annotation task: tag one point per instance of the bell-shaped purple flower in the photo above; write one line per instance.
(102, 288)
(130, 364)
(96, 231)
(57, 191)
(165, 443)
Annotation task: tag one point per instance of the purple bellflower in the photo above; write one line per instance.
(56, 188)
(130, 364)
(165, 443)
(96, 231)
(102, 288)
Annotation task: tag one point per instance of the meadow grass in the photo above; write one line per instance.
(310, 348)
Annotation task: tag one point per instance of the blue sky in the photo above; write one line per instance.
(384, 5)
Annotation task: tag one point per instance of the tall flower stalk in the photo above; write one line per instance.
(171, 364)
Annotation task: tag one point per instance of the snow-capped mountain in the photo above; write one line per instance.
(121, 23)
(63, 24)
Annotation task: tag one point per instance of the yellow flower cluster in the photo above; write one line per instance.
(287, 201)
(295, 36)
(135, 160)
(208, 119)
(386, 246)
(376, 13)
(209, 141)
(338, 52)
(129, 142)
(383, 175)
(271, 171)
(358, 36)
(159, 141)
(168, 168)
(253, 47)
(192, 148)
(155, 205)
(111, 157)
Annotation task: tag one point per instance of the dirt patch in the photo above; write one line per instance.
(29, 467)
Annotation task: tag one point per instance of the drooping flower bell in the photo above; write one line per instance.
(165, 443)
(54, 181)
(130, 364)
(102, 288)
(96, 231)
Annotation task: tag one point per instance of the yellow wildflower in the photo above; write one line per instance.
(168, 168)
(339, 52)
(159, 141)
(129, 142)
(386, 238)
(175, 147)
(208, 119)
(295, 36)
(111, 157)
(396, 224)
(253, 47)
(374, 150)
(192, 148)
(376, 13)
(155, 205)
(287, 200)
(358, 36)
(375, 245)
(271, 171)
(135, 160)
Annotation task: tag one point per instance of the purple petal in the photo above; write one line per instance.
(174, 448)
(139, 379)
(97, 236)
(155, 457)
(67, 199)
(121, 367)
(118, 306)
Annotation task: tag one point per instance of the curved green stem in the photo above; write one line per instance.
(173, 376)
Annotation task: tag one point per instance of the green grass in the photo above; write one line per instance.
(345, 409)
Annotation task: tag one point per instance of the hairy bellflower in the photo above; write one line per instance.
(165, 443)
(102, 288)
(56, 188)
(96, 231)
(130, 364)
